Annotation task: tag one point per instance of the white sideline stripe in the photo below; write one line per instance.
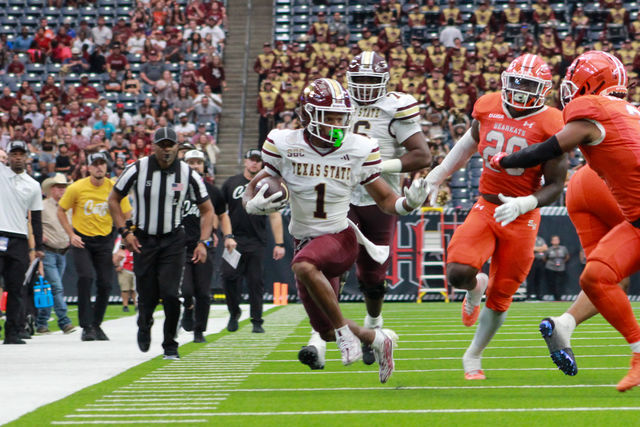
(167, 421)
(490, 348)
(484, 387)
(430, 411)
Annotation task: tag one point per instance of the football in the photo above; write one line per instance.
(275, 184)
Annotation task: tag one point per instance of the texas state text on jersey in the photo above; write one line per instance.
(391, 120)
(320, 183)
(499, 132)
(616, 155)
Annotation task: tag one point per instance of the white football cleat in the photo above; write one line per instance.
(349, 346)
(383, 346)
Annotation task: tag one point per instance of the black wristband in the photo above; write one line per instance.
(280, 245)
(229, 236)
(206, 243)
(124, 232)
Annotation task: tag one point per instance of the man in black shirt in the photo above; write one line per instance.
(160, 183)
(247, 234)
(196, 278)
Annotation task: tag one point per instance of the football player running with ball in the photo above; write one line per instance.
(392, 119)
(503, 223)
(321, 165)
(605, 127)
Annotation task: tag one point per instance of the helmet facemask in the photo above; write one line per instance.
(363, 90)
(524, 92)
(568, 90)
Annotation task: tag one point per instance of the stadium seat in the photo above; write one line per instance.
(300, 19)
(32, 77)
(301, 10)
(283, 37)
(459, 182)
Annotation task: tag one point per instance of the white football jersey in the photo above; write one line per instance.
(391, 120)
(320, 185)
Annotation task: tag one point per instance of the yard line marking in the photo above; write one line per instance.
(487, 387)
(167, 421)
(151, 402)
(126, 409)
(204, 414)
(430, 411)
(494, 348)
(413, 359)
(132, 401)
(324, 372)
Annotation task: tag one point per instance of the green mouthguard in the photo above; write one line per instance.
(338, 136)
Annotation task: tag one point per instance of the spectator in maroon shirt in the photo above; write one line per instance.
(213, 74)
(62, 37)
(190, 78)
(15, 118)
(75, 114)
(8, 100)
(197, 11)
(121, 32)
(117, 61)
(86, 92)
(16, 66)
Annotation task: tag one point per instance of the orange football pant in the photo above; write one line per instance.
(615, 257)
(510, 248)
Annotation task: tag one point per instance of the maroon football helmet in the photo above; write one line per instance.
(325, 96)
(367, 77)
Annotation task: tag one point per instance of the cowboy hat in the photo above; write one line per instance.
(57, 179)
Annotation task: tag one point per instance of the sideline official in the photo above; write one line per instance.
(248, 234)
(91, 235)
(160, 183)
(196, 280)
(21, 194)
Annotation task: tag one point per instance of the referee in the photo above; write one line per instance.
(21, 194)
(160, 183)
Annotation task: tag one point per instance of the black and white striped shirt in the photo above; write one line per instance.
(160, 193)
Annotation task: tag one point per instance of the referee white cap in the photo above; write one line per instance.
(165, 134)
(17, 145)
(194, 154)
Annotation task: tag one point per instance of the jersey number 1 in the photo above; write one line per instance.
(498, 137)
(319, 212)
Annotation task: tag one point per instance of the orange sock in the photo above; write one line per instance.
(599, 282)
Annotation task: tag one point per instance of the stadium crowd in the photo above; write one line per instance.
(102, 78)
(446, 54)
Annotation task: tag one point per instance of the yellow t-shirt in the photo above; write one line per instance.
(91, 215)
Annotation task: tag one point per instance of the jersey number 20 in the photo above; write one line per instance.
(498, 137)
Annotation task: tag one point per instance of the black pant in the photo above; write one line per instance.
(158, 269)
(96, 255)
(196, 282)
(536, 276)
(14, 263)
(250, 268)
(556, 281)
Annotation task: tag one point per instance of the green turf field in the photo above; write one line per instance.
(245, 379)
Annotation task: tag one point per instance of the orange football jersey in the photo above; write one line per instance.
(616, 158)
(499, 132)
